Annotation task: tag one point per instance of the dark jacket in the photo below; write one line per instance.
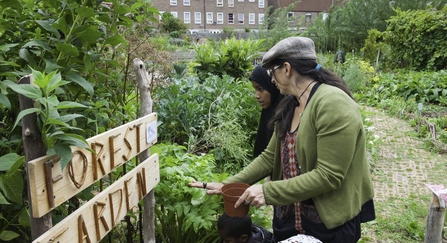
(260, 235)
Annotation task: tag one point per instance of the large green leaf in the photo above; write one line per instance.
(85, 12)
(50, 66)
(4, 101)
(24, 219)
(81, 81)
(28, 90)
(12, 186)
(24, 54)
(89, 36)
(68, 50)
(69, 105)
(69, 117)
(3, 199)
(73, 139)
(64, 152)
(115, 40)
(46, 24)
(38, 43)
(8, 235)
(24, 113)
(6, 161)
(7, 47)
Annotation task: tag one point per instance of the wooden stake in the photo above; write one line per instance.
(33, 148)
(144, 81)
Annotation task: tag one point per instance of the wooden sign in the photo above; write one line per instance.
(92, 221)
(50, 187)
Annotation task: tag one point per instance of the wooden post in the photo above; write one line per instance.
(144, 85)
(34, 148)
(435, 220)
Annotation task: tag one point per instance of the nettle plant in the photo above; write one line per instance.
(56, 119)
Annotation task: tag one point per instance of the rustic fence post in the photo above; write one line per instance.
(34, 148)
(436, 215)
(144, 86)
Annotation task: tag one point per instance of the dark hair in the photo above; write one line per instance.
(284, 112)
(234, 227)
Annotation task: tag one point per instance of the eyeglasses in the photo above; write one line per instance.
(271, 71)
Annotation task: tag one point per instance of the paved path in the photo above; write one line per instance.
(403, 165)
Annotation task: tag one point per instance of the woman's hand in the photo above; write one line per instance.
(212, 187)
(254, 196)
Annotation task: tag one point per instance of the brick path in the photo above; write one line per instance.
(403, 165)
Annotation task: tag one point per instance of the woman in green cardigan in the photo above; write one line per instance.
(321, 183)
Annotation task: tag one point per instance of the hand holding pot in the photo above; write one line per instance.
(254, 196)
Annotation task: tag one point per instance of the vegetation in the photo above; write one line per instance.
(80, 53)
(347, 24)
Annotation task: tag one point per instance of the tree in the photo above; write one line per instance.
(347, 24)
(171, 24)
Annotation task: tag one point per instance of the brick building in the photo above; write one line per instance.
(213, 15)
(306, 11)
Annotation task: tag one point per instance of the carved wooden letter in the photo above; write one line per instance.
(97, 160)
(98, 216)
(112, 150)
(112, 207)
(82, 229)
(84, 169)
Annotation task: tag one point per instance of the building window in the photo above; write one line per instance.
(240, 0)
(252, 1)
(260, 18)
(219, 18)
(261, 4)
(209, 17)
(174, 14)
(290, 17)
(240, 18)
(198, 17)
(161, 15)
(186, 2)
(173, 2)
(219, 3)
(186, 17)
(251, 18)
(230, 3)
(230, 18)
(325, 15)
(308, 17)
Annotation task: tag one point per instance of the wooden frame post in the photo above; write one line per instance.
(33, 147)
(144, 86)
(436, 214)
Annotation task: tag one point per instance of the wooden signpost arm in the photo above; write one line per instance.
(33, 147)
(144, 81)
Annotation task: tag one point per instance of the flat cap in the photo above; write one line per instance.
(290, 48)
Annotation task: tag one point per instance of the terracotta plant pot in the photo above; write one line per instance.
(231, 193)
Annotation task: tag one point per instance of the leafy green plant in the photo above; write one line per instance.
(218, 115)
(229, 57)
(185, 214)
(13, 223)
(55, 128)
(171, 24)
(415, 39)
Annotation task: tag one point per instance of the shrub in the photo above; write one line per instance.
(217, 115)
